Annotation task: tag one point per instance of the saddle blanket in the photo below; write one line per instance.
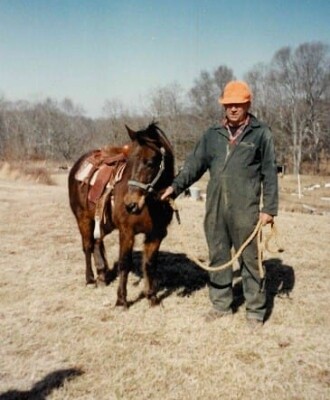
(84, 172)
(99, 178)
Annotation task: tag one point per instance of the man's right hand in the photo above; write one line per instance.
(168, 192)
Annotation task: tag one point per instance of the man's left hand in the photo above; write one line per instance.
(266, 218)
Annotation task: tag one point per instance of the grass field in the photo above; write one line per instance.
(63, 340)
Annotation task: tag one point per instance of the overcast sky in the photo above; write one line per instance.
(93, 50)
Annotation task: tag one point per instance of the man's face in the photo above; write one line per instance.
(236, 113)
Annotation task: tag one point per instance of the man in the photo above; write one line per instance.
(239, 155)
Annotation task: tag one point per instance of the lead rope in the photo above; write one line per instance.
(256, 232)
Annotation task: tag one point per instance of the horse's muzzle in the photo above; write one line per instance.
(132, 208)
(134, 203)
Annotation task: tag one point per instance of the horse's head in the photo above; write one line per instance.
(150, 164)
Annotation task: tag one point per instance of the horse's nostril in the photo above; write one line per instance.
(131, 208)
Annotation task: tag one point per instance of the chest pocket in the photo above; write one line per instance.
(217, 152)
(247, 153)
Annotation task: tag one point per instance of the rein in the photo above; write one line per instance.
(260, 245)
(149, 187)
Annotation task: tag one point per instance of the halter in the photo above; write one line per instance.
(149, 187)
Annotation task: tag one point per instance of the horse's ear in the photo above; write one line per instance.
(131, 133)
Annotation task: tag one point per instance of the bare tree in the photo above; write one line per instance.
(167, 101)
(291, 94)
(69, 108)
(167, 106)
(301, 78)
(116, 116)
(203, 96)
(313, 64)
(266, 105)
(206, 91)
(15, 129)
(222, 75)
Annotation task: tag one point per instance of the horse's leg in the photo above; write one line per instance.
(102, 209)
(149, 262)
(85, 225)
(126, 242)
(104, 274)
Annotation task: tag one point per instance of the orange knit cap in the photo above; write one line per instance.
(236, 92)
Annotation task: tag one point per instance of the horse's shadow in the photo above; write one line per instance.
(177, 273)
(42, 389)
(174, 273)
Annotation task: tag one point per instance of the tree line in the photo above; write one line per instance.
(291, 94)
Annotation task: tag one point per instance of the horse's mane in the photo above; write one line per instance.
(153, 135)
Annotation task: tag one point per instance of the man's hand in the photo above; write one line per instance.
(266, 218)
(167, 193)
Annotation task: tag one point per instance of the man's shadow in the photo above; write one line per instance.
(279, 281)
(43, 388)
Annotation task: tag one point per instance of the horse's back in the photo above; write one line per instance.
(82, 203)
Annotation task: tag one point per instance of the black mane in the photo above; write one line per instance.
(153, 135)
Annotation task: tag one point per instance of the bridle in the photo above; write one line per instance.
(150, 187)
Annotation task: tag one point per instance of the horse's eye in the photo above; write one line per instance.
(150, 162)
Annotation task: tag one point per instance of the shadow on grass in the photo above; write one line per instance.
(175, 273)
(280, 281)
(43, 388)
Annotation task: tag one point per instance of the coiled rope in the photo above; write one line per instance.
(256, 232)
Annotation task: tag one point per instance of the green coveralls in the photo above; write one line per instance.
(243, 182)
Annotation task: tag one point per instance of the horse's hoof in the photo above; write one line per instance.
(122, 303)
(154, 301)
(91, 283)
(105, 278)
(100, 282)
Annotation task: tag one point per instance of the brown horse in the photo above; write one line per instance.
(133, 207)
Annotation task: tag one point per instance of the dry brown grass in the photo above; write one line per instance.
(62, 340)
(31, 172)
